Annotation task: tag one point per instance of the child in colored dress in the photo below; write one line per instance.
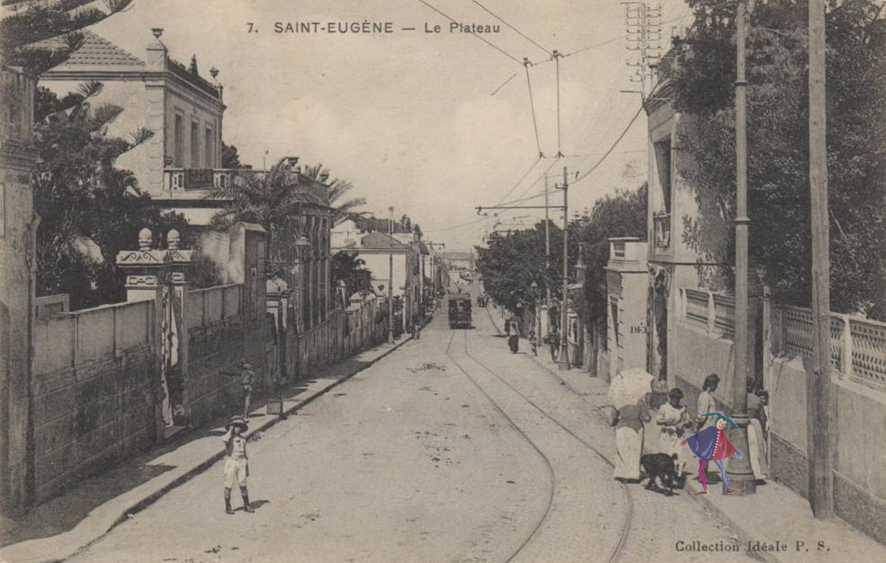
(712, 444)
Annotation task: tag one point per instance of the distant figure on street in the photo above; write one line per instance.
(554, 343)
(236, 462)
(417, 328)
(514, 342)
(508, 326)
(533, 343)
(247, 379)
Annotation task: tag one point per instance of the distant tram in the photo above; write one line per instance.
(460, 310)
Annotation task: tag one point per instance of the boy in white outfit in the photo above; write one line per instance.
(236, 462)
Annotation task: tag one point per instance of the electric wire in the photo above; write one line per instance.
(523, 177)
(520, 33)
(557, 64)
(532, 107)
(503, 84)
(480, 37)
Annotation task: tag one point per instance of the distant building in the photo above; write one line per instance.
(184, 110)
(376, 249)
(181, 164)
(459, 260)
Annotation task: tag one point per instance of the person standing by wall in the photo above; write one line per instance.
(247, 380)
(706, 402)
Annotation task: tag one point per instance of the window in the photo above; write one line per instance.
(663, 163)
(209, 147)
(179, 142)
(195, 146)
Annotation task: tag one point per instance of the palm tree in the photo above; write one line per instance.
(335, 190)
(272, 199)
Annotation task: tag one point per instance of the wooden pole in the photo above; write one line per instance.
(547, 247)
(563, 359)
(818, 389)
(391, 277)
(740, 471)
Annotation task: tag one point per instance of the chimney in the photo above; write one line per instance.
(221, 89)
(193, 67)
(156, 51)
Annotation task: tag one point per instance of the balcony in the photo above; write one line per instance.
(662, 224)
(178, 180)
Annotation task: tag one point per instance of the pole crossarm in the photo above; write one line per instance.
(481, 208)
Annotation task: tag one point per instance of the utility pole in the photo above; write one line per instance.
(563, 359)
(547, 248)
(643, 36)
(818, 388)
(391, 277)
(740, 469)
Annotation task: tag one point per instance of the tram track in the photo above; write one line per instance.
(625, 528)
(551, 475)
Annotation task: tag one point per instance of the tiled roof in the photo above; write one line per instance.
(95, 51)
(381, 241)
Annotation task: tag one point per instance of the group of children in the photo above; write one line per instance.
(708, 440)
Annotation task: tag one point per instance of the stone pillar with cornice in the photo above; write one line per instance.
(18, 228)
(161, 275)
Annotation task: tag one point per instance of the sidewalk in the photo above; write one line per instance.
(775, 517)
(62, 526)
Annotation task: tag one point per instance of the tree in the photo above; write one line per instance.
(512, 262)
(89, 209)
(349, 268)
(24, 32)
(336, 189)
(230, 157)
(702, 74)
(619, 215)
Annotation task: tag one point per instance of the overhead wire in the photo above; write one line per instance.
(526, 63)
(523, 177)
(503, 84)
(478, 36)
(532, 107)
(520, 33)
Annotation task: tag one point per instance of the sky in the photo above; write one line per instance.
(433, 124)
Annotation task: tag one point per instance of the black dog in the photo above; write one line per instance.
(662, 467)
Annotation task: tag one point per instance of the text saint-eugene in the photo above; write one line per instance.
(368, 27)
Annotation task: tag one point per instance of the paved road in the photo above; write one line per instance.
(450, 449)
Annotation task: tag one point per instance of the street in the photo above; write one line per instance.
(450, 449)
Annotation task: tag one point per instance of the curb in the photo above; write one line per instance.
(153, 497)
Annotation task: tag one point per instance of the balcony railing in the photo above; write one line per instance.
(662, 224)
(187, 179)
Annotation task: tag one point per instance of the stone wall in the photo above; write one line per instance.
(859, 410)
(221, 335)
(94, 392)
(859, 482)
